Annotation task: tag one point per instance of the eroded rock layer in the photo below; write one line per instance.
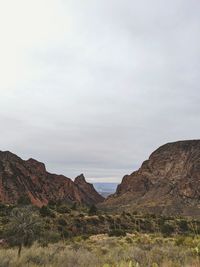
(168, 182)
(29, 178)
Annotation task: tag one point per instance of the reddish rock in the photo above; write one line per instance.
(88, 189)
(29, 178)
(168, 182)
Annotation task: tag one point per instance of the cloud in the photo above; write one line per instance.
(96, 86)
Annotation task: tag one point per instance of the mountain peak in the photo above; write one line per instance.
(39, 166)
(83, 185)
(80, 179)
(168, 182)
(7, 155)
(29, 178)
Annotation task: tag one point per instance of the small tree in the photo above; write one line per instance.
(24, 228)
(92, 210)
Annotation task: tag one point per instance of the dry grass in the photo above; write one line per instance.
(139, 250)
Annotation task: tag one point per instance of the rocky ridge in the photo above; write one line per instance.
(88, 189)
(168, 182)
(29, 178)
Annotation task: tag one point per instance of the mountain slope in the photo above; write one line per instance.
(88, 189)
(29, 178)
(168, 182)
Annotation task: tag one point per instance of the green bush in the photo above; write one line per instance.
(63, 209)
(92, 210)
(2, 206)
(183, 226)
(62, 222)
(167, 229)
(74, 206)
(65, 233)
(46, 212)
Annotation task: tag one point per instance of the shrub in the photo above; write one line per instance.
(2, 206)
(74, 206)
(92, 210)
(50, 237)
(65, 233)
(45, 211)
(117, 232)
(167, 229)
(63, 209)
(51, 203)
(24, 200)
(183, 226)
(5, 220)
(180, 241)
(62, 222)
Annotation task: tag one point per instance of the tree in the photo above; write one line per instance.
(92, 210)
(24, 228)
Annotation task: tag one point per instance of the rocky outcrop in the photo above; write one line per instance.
(88, 189)
(29, 178)
(168, 182)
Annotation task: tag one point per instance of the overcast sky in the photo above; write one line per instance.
(95, 86)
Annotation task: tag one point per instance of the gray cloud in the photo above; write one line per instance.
(98, 85)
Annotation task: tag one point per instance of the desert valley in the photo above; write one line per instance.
(151, 220)
(100, 133)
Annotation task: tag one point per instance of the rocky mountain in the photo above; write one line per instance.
(168, 182)
(29, 178)
(88, 189)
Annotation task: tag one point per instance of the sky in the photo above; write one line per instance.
(95, 86)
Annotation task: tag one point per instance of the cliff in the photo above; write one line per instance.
(168, 182)
(29, 178)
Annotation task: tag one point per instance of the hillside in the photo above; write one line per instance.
(168, 182)
(29, 178)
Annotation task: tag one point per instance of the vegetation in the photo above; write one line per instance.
(24, 200)
(23, 229)
(62, 234)
(92, 210)
(138, 250)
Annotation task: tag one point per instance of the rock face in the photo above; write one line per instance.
(30, 178)
(88, 189)
(168, 182)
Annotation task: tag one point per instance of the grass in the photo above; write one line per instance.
(141, 250)
(72, 237)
